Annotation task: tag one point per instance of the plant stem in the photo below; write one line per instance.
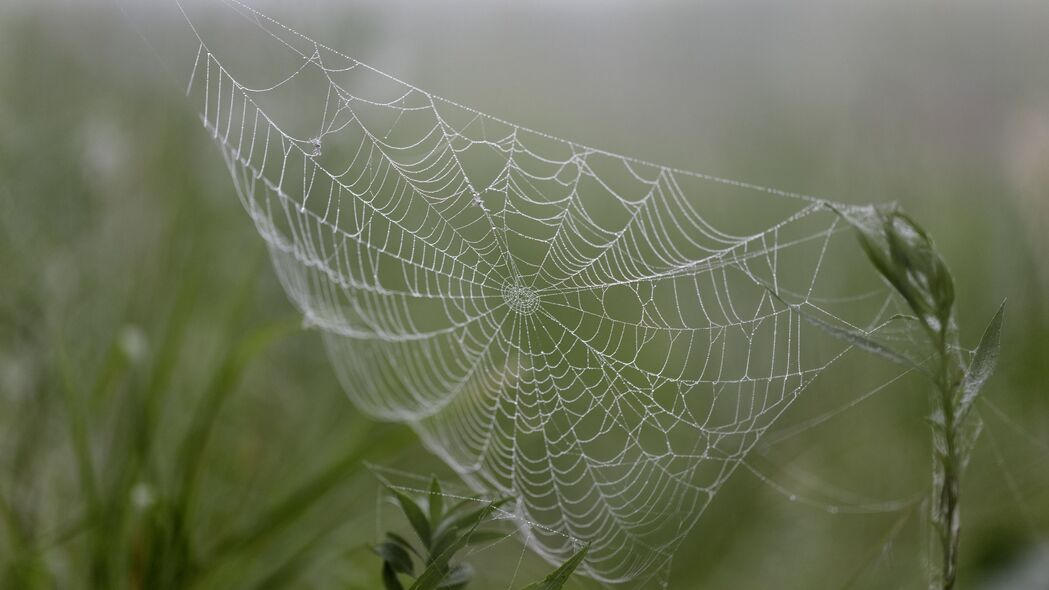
(946, 511)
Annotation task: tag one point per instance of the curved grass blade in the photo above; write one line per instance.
(557, 578)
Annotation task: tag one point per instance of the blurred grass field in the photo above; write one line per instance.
(143, 331)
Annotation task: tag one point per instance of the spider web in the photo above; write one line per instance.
(602, 338)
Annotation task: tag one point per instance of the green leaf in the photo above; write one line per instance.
(451, 525)
(396, 556)
(415, 516)
(436, 571)
(451, 522)
(929, 286)
(557, 578)
(984, 362)
(289, 572)
(223, 383)
(870, 223)
(75, 411)
(441, 543)
(482, 537)
(436, 501)
(395, 538)
(904, 254)
(17, 537)
(872, 242)
(389, 578)
(288, 509)
(458, 576)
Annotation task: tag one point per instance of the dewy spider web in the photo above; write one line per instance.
(600, 337)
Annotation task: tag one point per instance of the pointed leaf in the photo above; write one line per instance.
(458, 576)
(878, 256)
(451, 525)
(441, 543)
(556, 580)
(404, 543)
(389, 578)
(870, 224)
(415, 516)
(984, 361)
(453, 522)
(436, 502)
(904, 254)
(482, 537)
(294, 505)
(396, 556)
(438, 568)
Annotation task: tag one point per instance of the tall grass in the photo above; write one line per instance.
(905, 256)
(162, 423)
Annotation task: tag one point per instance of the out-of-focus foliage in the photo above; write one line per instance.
(149, 439)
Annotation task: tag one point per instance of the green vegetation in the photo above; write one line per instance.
(905, 255)
(164, 424)
(443, 533)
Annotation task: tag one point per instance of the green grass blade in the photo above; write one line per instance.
(415, 516)
(452, 524)
(557, 578)
(291, 570)
(395, 555)
(10, 523)
(436, 571)
(71, 395)
(295, 504)
(395, 538)
(436, 501)
(389, 578)
(458, 577)
(164, 361)
(222, 384)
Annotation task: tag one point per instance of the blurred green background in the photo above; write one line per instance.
(143, 331)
